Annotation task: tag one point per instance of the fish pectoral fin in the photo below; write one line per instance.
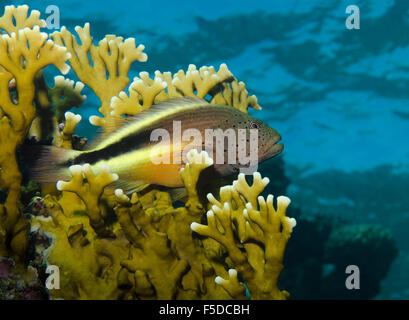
(227, 169)
(130, 187)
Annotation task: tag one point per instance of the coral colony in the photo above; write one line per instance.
(104, 242)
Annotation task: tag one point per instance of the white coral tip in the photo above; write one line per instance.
(270, 198)
(79, 86)
(215, 208)
(69, 115)
(245, 213)
(256, 175)
(232, 273)
(66, 68)
(143, 58)
(94, 120)
(218, 280)
(225, 189)
(210, 197)
(194, 226)
(60, 185)
(283, 200)
(292, 222)
(119, 192)
(77, 118)
(58, 79)
(75, 169)
(261, 200)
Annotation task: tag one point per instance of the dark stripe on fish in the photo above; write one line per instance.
(141, 138)
(134, 141)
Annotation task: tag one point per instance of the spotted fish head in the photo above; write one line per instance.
(268, 139)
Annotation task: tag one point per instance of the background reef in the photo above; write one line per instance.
(338, 97)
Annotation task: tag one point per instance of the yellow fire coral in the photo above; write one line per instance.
(112, 55)
(24, 51)
(240, 213)
(193, 83)
(112, 245)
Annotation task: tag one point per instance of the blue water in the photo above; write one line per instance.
(338, 97)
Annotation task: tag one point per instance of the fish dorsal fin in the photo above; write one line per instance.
(112, 125)
(181, 101)
(115, 123)
(168, 105)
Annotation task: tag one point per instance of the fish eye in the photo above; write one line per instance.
(254, 125)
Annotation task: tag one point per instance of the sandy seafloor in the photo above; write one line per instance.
(339, 97)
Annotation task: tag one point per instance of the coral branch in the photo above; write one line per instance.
(232, 285)
(270, 222)
(235, 94)
(198, 83)
(144, 91)
(125, 214)
(153, 256)
(90, 191)
(219, 228)
(90, 265)
(196, 163)
(112, 55)
(28, 52)
(64, 139)
(15, 19)
(65, 94)
(250, 192)
(241, 213)
(23, 53)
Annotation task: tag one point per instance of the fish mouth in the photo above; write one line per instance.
(274, 150)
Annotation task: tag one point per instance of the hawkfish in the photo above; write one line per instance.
(136, 147)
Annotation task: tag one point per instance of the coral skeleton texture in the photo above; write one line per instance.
(106, 243)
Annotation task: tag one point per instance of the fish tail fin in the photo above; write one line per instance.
(48, 164)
